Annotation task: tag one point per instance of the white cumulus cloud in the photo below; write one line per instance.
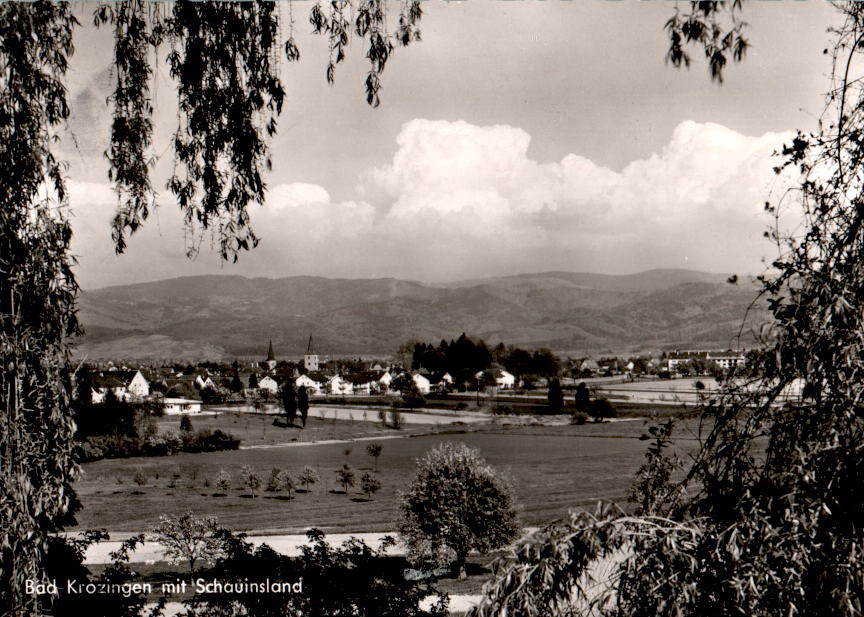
(459, 200)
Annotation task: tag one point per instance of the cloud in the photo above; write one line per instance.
(696, 203)
(459, 200)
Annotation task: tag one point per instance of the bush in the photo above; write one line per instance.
(602, 409)
(579, 418)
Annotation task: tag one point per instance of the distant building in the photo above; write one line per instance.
(269, 384)
(126, 385)
(309, 383)
(177, 406)
(726, 360)
(423, 384)
(270, 362)
(310, 358)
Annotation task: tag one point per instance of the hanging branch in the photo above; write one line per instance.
(132, 124)
(230, 96)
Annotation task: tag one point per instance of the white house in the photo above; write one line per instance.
(202, 382)
(505, 380)
(310, 384)
(337, 385)
(423, 384)
(269, 384)
(126, 385)
(177, 406)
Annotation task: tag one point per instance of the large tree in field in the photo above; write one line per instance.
(457, 503)
(767, 518)
(223, 57)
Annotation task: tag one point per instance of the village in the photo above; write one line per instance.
(191, 389)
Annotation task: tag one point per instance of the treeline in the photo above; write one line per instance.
(119, 429)
(463, 359)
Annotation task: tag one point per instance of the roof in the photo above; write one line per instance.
(112, 379)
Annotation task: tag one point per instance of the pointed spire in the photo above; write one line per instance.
(270, 356)
(309, 346)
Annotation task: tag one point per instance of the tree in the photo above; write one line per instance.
(285, 482)
(303, 404)
(251, 479)
(555, 396)
(236, 384)
(345, 477)
(456, 503)
(289, 402)
(374, 450)
(582, 398)
(188, 538)
(185, 424)
(253, 381)
(273, 482)
(223, 481)
(307, 476)
(369, 485)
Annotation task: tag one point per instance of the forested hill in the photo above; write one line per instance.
(225, 316)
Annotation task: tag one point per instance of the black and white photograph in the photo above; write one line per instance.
(429, 308)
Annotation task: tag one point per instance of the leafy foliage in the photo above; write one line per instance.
(715, 27)
(37, 293)
(368, 582)
(188, 537)
(456, 503)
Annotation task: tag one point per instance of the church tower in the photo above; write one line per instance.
(310, 359)
(270, 362)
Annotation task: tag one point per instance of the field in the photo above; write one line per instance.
(258, 429)
(553, 468)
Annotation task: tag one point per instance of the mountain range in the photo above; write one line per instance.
(221, 317)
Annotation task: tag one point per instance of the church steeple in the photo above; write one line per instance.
(310, 359)
(270, 362)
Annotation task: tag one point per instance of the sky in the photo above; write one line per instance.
(518, 136)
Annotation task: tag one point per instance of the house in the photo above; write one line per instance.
(505, 380)
(366, 382)
(310, 384)
(424, 386)
(337, 385)
(177, 406)
(204, 381)
(589, 366)
(269, 384)
(126, 385)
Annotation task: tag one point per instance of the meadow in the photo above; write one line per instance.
(552, 469)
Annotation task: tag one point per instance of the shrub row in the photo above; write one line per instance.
(98, 447)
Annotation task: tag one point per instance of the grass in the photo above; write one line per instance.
(552, 470)
(254, 429)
